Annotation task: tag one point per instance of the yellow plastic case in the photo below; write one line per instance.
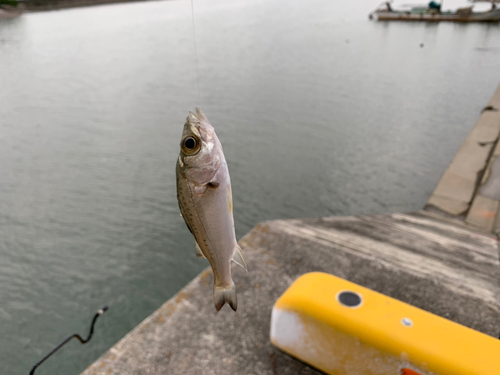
(343, 328)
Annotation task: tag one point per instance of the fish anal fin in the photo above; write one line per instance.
(199, 253)
(238, 258)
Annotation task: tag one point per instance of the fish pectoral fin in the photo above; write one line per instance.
(213, 184)
(199, 253)
(238, 258)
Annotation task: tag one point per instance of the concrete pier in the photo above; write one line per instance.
(442, 268)
(470, 188)
(443, 259)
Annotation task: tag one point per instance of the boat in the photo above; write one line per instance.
(432, 13)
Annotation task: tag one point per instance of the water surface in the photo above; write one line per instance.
(320, 112)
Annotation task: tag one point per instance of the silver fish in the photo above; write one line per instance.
(206, 203)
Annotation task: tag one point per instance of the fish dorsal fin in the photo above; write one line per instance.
(199, 253)
(238, 258)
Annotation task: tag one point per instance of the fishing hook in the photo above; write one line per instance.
(83, 341)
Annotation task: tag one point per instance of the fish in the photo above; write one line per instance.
(206, 203)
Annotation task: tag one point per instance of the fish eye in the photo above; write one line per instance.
(190, 145)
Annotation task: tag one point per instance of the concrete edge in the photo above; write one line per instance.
(168, 308)
(458, 188)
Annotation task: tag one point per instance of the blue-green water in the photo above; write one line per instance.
(320, 112)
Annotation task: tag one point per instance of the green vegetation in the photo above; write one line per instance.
(12, 3)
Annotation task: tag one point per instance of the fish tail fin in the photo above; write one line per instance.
(225, 294)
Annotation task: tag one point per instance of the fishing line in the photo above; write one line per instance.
(196, 54)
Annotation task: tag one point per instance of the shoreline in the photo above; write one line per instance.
(32, 6)
(9, 13)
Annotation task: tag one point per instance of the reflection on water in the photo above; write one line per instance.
(320, 112)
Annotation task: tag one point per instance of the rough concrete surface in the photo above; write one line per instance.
(494, 102)
(451, 206)
(471, 157)
(486, 129)
(435, 265)
(457, 189)
(483, 212)
(491, 187)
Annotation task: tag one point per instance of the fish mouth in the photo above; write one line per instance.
(197, 121)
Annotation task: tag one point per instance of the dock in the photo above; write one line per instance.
(469, 190)
(443, 259)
